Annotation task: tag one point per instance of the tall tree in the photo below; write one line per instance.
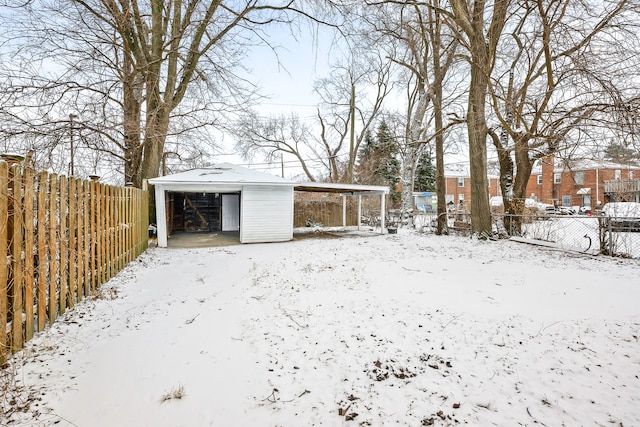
(553, 80)
(414, 37)
(149, 61)
(620, 153)
(352, 97)
(480, 39)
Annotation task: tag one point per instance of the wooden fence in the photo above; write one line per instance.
(61, 238)
(326, 212)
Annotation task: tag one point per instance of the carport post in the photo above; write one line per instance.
(382, 213)
(359, 210)
(344, 210)
(161, 217)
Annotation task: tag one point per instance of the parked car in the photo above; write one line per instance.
(585, 210)
(625, 216)
(565, 210)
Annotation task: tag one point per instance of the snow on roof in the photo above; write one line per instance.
(462, 170)
(588, 164)
(340, 188)
(582, 165)
(222, 173)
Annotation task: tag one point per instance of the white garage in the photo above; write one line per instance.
(229, 198)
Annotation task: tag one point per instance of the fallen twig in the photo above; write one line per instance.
(450, 321)
(190, 321)
(272, 397)
(534, 419)
(290, 316)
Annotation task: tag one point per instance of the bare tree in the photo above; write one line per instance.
(352, 97)
(560, 63)
(479, 25)
(269, 137)
(415, 39)
(134, 71)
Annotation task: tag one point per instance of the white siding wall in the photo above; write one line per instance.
(266, 214)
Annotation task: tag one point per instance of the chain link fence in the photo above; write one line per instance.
(615, 236)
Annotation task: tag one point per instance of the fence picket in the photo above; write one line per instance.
(53, 247)
(29, 195)
(4, 251)
(93, 241)
(101, 233)
(42, 253)
(79, 241)
(110, 231)
(86, 236)
(66, 299)
(17, 267)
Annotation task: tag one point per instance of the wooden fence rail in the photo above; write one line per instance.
(61, 238)
(325, 212)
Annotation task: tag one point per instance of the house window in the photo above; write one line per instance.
(557, 178)
(461, 182)
(566, 200)
(579, 178)
(617, 174)
(539, 179)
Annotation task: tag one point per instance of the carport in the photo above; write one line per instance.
(347, 190)
(227, 198)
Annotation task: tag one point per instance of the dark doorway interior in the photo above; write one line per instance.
(195, 212)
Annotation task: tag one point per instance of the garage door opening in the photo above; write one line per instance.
(211, 214)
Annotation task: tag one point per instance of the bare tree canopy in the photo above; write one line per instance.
(135, 73)
(562, 70)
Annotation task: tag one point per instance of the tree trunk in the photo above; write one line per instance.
(153, 150)
(524, 165)
(481, 43)
(477, 130)
(441, 227)
(132, 95)
(413, 139)
(407, 179)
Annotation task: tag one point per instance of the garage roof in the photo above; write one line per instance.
(323, 187)
(222, 173)
(231, 176)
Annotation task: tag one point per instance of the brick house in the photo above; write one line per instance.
(583, 182)
(458, 184)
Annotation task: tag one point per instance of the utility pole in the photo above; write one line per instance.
(282, 163)
(72, 171)
(352, 133)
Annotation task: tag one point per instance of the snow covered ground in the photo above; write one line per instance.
(374, 330)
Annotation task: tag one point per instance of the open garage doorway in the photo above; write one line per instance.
(206, 214)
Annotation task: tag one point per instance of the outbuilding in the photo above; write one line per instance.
(229, 198)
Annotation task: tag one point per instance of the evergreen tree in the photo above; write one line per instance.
(365, 164)
(378, 163)
(620, 153)
(425, 179)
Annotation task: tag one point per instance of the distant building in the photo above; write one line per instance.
(458, 184)
(583, 182)
(552, 181)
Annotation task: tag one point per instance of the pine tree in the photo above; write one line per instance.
(377, 160)
(425, 179)
(620, 153)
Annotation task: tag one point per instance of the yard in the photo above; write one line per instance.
(366, 330)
